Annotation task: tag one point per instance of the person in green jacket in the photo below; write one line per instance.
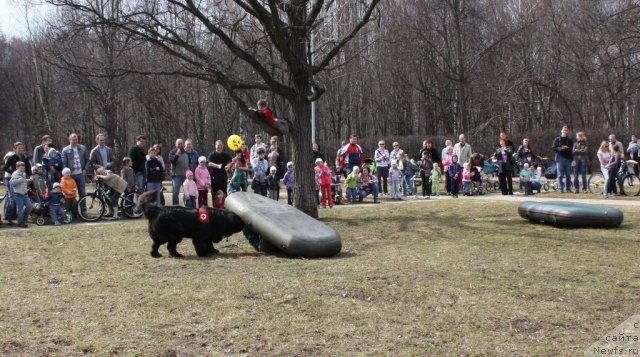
(352, 182)
(436, 174)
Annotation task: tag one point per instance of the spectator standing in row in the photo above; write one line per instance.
(260, 170)
(55, 200)
(19, 183)
(382, 159)
(395, 177)
(10, 166)
(339, 159)
(192, 154)
(179, 166)
(323, 181)
(447, 159)
(288, 181)
(218, 161)
(351, 154)
(240, 168)
(613, 166)
(580, 163)
(138, 159)
(427, 145)
(525, 154)
(101, 155)
(203, 182)
(426, 166)
(455, 172)
(447, 143)
(632, 149)
(41, 150)
(190, 190)
(317, 154)
(155, 173)
(604, 155)
(614, 141)
(273, 184)
(504, 154)
(462, 149)
(259, 144)
(563, 147)
(127, 173)
(276, 157)
(396, 152)
(76, 158)
(69, 189)
(52, 163)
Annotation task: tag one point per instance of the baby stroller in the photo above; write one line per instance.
(551, 172)
(490, 170)
(40, 209)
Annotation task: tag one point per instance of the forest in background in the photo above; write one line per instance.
(419, 69)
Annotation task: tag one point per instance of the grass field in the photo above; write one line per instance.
(446, 277)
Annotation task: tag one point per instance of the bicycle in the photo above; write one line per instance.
(98, 201)
(627, 179)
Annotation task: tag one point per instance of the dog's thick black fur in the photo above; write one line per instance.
(171, 224)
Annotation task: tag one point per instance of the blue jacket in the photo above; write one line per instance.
(55, 198)
(67, 157)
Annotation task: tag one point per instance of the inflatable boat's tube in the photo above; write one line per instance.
(284, 226)
(571, 214)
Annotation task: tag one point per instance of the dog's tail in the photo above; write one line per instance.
(147, 203)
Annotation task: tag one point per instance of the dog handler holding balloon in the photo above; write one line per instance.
(218, 160)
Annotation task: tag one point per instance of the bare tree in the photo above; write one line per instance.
(269, 44)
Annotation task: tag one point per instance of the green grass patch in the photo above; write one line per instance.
(446, 277)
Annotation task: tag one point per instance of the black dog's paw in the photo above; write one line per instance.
(215, 251)
(156, 254)
(177, 255)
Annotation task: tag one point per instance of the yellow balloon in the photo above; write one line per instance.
(234, 142)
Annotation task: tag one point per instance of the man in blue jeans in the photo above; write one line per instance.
(76, 158)
(179, 165)
(563, 147)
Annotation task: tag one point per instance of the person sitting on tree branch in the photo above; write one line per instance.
(265, 113)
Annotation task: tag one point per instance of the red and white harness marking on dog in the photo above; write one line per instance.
(203, 215)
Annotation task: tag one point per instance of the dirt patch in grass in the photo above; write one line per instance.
(452, 277)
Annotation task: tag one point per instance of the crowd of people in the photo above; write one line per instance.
(396, 170)
(59, 177)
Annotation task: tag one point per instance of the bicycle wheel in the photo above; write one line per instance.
(631, 185)
(129, 207)
(545, 186)
(95, 207)
(596, 183)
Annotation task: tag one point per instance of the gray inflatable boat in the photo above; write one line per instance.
(284, 226)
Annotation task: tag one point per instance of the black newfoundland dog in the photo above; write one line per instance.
(171, 224)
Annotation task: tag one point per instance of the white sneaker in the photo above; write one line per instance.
(415, 197)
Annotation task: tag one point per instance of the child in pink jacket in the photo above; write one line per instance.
(323, 176)
(203, 181)
(190, 190)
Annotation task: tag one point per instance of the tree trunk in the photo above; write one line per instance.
(304, 189)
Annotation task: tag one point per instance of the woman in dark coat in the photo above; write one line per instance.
(504, 154)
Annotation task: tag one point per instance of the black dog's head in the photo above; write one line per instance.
(147, 203)
(235, 223)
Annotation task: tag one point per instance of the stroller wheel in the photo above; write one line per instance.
(68, 217)
(41, 220)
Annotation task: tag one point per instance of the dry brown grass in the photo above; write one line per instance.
(447, 277)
